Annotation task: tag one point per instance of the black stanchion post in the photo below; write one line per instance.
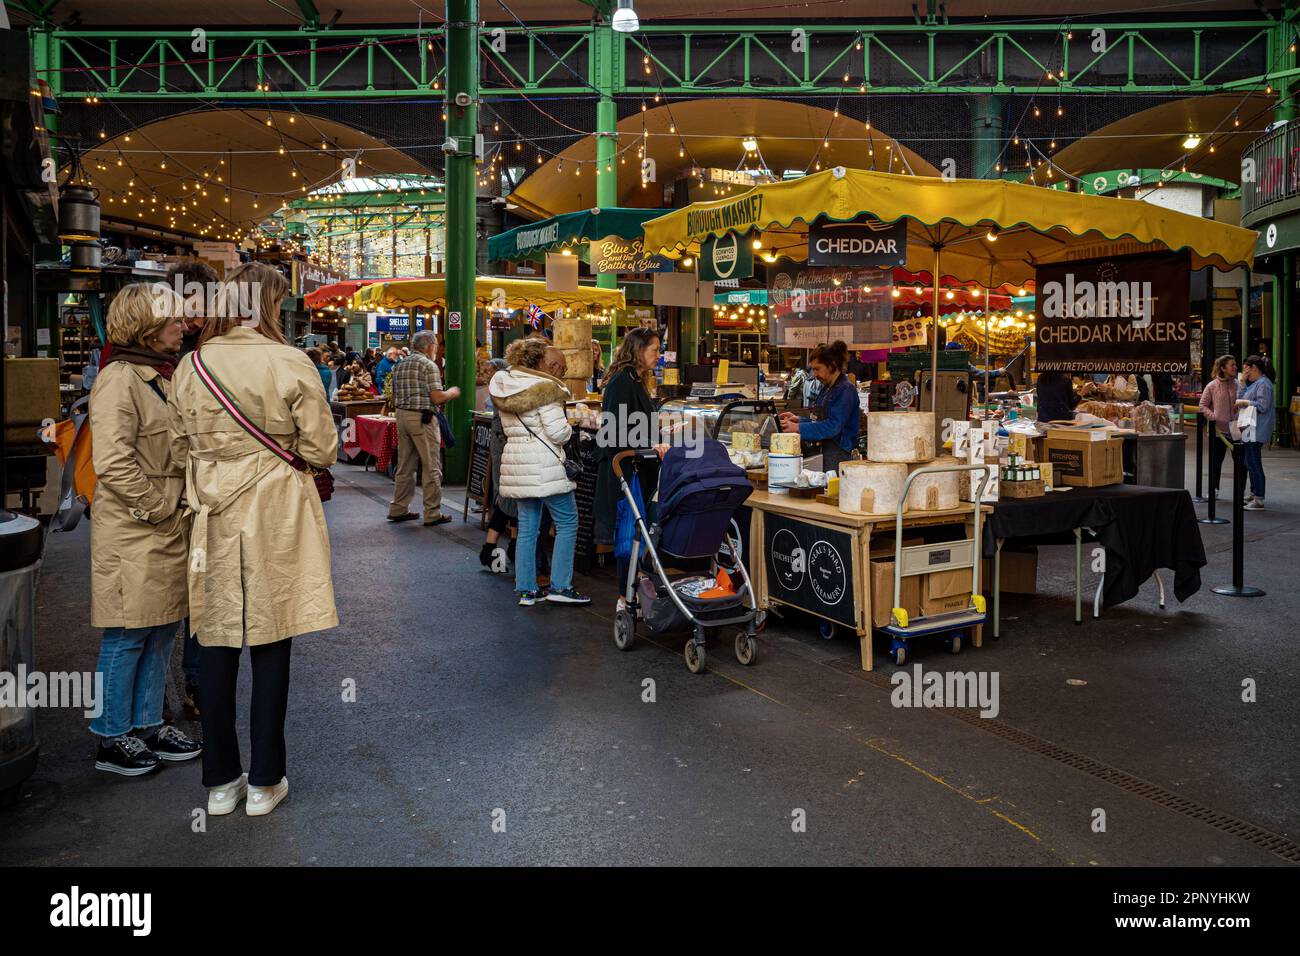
(1238, 587)
(1213, 499)
(1199, 498)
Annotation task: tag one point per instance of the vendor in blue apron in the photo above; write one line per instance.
(832, 425)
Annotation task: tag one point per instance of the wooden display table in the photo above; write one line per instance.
(809, 555)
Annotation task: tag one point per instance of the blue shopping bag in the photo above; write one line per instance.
(625, 520)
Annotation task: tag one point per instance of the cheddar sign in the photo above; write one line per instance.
(857, 244)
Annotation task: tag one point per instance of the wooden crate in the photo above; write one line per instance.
(1022, 489)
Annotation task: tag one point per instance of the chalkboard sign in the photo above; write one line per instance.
(582, 449)
(478, 486)
(810, 567)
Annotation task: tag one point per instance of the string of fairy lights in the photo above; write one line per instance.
(167, 185)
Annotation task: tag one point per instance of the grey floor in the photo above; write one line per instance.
(472, 711)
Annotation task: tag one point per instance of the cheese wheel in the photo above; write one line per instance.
(871, 487)
(572, 333)
(938, 492)
(746, 441)
(785, 443)
(900, 436)
(577, 363)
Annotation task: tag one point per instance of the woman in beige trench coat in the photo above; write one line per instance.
(259, 570)
(138, 533)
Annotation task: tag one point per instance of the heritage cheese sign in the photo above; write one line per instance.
(809, 305)
(1119, 314)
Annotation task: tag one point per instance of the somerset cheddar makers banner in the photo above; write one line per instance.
(1119, 314)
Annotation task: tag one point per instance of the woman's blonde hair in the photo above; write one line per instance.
(249, 297)
(140, 311)
(527, 352)
(1220, 363)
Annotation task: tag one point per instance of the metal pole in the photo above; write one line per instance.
(1236, 463)
(461, 231)
(934, 340)
(1238, 587)
(1200, 455)
(607, 45)
(987, 357)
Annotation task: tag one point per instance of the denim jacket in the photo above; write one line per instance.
(1260, 394)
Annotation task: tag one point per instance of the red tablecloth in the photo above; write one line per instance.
(377, 436)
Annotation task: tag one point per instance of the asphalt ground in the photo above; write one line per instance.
(486, 733)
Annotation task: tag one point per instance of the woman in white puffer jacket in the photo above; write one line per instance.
(531, 403)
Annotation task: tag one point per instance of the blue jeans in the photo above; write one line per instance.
(564, 512)
(133, 661)
(1254, 467)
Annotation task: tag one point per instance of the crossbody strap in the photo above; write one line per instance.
(548, 445)
(226, 402)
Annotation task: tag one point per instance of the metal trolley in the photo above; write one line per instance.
(916, 560)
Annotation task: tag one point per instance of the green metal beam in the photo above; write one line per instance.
(1191, 57)
(310, 15)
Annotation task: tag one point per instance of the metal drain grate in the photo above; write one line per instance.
(1256, 836)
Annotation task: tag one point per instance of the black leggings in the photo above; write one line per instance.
(1218, 449)
(218, 677)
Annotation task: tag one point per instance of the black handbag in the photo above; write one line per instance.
(572, 470)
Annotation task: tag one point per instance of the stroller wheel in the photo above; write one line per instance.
(746, 648)
(694, 654)
(624, 629)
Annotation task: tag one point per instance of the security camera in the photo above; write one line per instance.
(450, 146)
(462, 100)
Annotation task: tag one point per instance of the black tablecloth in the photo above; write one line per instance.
(1142, 529)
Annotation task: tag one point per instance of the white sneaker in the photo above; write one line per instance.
(262, 800)
(224, 799)
(1254, 504)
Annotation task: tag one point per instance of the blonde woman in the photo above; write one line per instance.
(260, 568)
(138, 550)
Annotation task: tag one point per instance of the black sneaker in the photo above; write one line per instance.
(126, 755)
(568, 596)
(485, 554)
(409, 516)
(529, 598)
(172, 745)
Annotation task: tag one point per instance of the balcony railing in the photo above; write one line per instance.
(1270, 169)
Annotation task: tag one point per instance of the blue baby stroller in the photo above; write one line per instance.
(699, 495)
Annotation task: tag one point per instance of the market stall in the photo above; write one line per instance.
(1111, 282)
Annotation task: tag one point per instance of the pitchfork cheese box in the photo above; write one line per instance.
(1084, 464)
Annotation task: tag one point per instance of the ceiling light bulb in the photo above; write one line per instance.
(625, 18)
(1192, 141)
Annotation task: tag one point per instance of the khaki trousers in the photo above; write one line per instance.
(417, 443)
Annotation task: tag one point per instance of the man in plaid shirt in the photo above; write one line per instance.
(417, 396)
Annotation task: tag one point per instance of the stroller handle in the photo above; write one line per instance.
(646, 453)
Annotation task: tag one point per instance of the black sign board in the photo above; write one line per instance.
(810, 567)
(811, 305)
(480, 460)
(1120, 314)
(857, 243)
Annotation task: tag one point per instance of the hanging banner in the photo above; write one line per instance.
(1117, 314)
(561, 273)
(857, 243)
(615, 256)
(729, 256)
(809, 305)
(682, 289)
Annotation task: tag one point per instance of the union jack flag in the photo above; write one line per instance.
(535, 315)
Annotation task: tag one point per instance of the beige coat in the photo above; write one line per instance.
(138, 534)
(260, 552)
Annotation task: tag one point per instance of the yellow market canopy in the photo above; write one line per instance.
(489, 293)
(987, 231)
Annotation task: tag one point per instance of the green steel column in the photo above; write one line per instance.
(1284, 301)
(986, 135)
(462, 228)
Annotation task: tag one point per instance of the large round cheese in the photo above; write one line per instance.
(577, 363)
(785, 443)
(900, 436)
(935, 492)
(871, 487)
(572, 333)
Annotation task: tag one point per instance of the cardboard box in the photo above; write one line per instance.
(944, 591)
(882, 592)
(1085, 464)
(1019, 572)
